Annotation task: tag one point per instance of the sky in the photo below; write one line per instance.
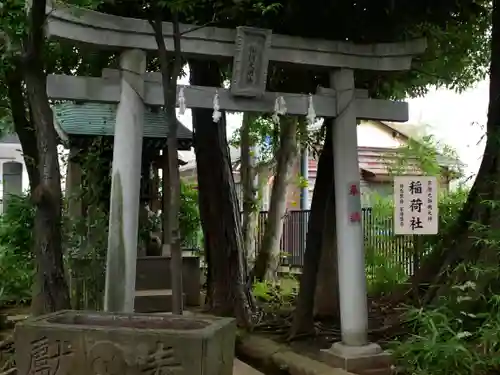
(458, 120)
(455, 119)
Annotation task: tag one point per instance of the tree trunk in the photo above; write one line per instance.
(326, 299)
(51, 288)
(170, 73)
(268, 259)
(473, 238)
(250, 204)
(227, 292)
(303, 319)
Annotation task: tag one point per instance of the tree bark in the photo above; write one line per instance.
(172, 199)
(326, 299)
(268, 259)
(303, 319)
(250, 204)
(51, 288)
(227, 292)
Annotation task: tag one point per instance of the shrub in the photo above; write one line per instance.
(189, 219)
(460, 332)
(454, 336)
(390, 259)
(16, 257)
(85, 259)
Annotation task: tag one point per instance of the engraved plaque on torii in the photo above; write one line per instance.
(251, 61)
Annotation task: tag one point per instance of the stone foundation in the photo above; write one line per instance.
(364, 360)
(153, 273)
(91, 343)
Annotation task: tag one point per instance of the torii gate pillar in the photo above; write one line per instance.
(125, 186)
(354, 353)
(351, 260)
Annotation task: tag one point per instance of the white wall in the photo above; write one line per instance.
(12, 152)
(372, 135)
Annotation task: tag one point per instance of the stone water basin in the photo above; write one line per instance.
(98, 343)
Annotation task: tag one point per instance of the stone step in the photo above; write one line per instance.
(154, 273)
(154, 300)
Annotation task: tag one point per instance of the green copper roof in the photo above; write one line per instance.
(99, 119)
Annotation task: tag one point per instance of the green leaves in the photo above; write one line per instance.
(189, 219)
(16, 259)
(263, 137)
(425, 154)
(265, 8)
(451, 338)
(13, 26)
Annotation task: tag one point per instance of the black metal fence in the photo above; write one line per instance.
(293, 238)
(381, 244)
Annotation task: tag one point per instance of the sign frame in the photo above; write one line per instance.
(416, 209)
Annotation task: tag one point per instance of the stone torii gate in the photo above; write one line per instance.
(251, 50)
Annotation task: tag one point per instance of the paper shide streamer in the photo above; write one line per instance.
(216, 115)
(279, 109)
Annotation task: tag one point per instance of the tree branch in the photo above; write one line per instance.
(177, 66)
(36, 36)
(197, 27)
(170, 71)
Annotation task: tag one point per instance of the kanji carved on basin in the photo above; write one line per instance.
(95, 343)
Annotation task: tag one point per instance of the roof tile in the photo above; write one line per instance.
(99, 119)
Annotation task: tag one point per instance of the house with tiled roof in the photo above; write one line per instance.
(378, 144)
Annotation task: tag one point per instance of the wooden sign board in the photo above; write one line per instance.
(416, 205)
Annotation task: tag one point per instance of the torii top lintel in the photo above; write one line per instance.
(109, 31)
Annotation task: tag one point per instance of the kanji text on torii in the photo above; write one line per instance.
(355, 215)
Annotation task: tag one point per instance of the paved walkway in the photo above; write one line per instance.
(241, 368)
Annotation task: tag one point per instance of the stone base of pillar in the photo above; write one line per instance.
(166, 250)
(362, 360)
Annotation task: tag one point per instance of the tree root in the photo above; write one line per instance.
(385, 323)
(8, 367)
(7, 363)
(7, 345)
(270, 356)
